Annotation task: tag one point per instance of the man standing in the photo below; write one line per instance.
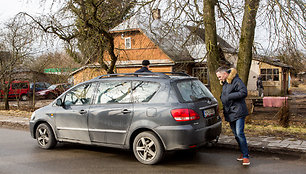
(145, 67)
(235, 110)
(260, 87)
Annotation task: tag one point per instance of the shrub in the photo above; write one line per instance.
(295, 83)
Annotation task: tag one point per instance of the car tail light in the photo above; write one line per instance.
(184, 114)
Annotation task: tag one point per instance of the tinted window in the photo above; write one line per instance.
(193, 90)
(113, 92)
(144, 91)
(19, 86)
(80, 95)
(15, 86)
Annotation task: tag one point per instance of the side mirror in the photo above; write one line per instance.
(59, 102)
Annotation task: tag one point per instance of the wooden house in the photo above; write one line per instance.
(178, 48)
(169, 49)
(275, 76)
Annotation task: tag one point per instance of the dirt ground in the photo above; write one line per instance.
(263, 121)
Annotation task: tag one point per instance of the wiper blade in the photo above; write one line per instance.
(201, 98)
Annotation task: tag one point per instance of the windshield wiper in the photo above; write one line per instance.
(201, 98)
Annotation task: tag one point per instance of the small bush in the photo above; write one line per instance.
(295, 83)
(284, 116)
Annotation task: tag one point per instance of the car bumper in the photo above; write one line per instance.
(186, 137)
(31, 125)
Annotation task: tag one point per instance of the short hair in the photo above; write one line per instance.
(222, 69)
(145, 62)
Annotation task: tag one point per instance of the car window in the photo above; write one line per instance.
(113, 92)
(193, 90)
(81, 95)
(144, 91)
(15, 85)
(24, 85)
(47, 85)
(19, 85)
(52, 87)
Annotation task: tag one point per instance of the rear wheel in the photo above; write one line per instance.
(45, 136)
(147, 148)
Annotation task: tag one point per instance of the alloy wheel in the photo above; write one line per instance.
(43, 136)
(146, 149)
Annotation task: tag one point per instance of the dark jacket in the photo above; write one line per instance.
(233, 97)
(259, 83)
(143, 69)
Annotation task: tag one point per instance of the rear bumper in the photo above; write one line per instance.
(186, 137)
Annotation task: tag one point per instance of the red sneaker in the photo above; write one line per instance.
(240, 158)
(246, 161)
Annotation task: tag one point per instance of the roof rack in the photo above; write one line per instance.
(159, 74)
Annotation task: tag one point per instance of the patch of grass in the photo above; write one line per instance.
(16, 113)
(252, 130)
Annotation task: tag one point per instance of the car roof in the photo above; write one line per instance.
(146, 76)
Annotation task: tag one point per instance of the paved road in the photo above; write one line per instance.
(19, 154)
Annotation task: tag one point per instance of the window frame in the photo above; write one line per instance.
(128, 42)
(270, 77)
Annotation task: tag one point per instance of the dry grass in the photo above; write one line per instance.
(16, 113)
(268, 129)
(300, 88)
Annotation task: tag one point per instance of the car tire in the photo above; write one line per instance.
(24, 97)
(148, 148)
(45, 136)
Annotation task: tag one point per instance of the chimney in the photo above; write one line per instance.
(156, 14)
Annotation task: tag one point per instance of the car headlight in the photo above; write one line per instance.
(33, 116)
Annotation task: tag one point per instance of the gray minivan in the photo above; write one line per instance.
(149, 113)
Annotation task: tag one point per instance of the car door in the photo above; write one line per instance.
(111, 114)
(71, 118)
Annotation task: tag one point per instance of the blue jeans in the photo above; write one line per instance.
(238, 130)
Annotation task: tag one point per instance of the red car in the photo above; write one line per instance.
(53, 91)
(18, 89)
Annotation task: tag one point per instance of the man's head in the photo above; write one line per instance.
(145, 63)
(222, 73)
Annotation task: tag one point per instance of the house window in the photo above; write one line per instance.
(128, 43)
(270, 74)
(201, 74)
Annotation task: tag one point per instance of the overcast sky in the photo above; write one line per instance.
(9, 8)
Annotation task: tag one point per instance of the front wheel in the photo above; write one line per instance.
(45, 136)
(147, 148)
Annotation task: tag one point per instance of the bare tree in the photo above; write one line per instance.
(84, 26)
(17, 40)
(237, 21)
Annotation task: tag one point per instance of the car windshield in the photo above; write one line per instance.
(193, 90)
(52, 87)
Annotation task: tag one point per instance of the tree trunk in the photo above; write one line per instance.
(6, 92)
(247, 39)
(212, 47)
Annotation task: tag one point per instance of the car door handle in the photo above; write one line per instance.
(126, 111)
(82, 111)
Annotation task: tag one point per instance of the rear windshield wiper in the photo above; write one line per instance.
(201, 98)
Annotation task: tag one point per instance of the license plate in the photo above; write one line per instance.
(209, 112)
